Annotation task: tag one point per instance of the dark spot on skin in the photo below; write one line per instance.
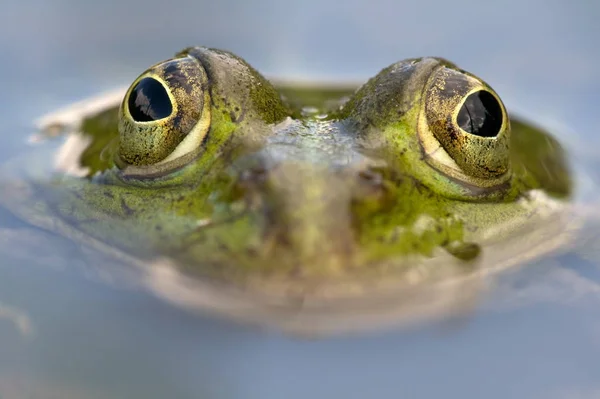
(394, 237)
(177, 78)
(420, 187)
(259, 174)
(370, 175)
(465, 251)
(177, 121)
(223, 247)
(251, 252)
(240, 118)
(371, 186)
(453, 84)
(452, 134)
(108, 194)
(252, 179)
(172, 68)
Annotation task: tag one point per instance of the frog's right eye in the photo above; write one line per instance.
(165, 113)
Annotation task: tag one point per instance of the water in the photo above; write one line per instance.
(67, 333)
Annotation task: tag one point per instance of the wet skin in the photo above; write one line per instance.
(238, 183)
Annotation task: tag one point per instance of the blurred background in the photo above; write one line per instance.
(540, 55)
(536, 338)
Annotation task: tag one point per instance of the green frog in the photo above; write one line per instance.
(315, 208)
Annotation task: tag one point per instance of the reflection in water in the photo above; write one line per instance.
(18, 318)
(67, 159)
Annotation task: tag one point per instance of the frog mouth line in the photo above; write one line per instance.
(478, 192)
(131, 173)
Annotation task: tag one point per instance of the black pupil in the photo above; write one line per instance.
(149, 101)
(480, 114)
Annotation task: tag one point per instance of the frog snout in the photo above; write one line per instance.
(308, 210)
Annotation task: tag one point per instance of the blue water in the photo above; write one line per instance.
(537, 336)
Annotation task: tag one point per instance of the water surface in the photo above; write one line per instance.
(69, 331)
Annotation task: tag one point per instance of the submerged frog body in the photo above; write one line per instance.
(373, 200)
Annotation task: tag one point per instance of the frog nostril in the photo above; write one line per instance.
(255, 176)
(149, 101)
(370, 185)
(371, 176)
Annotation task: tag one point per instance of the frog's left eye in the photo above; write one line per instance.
(465, 129)
(165, 114)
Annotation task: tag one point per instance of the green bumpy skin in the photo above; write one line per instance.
(260, 195)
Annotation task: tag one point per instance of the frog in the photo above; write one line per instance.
(309, 208)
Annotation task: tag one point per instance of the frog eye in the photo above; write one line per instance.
(480, 114)
(149, 101)
(165, 114)
(467, 129)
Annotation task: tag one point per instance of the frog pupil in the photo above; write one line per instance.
(149, 101)
(480, 114)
